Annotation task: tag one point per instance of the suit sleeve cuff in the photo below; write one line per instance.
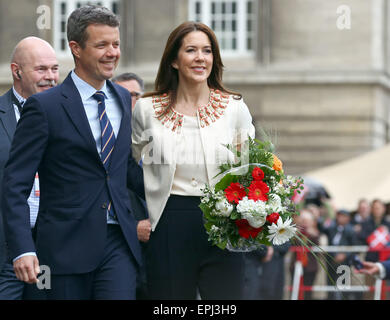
(25, 254)
(382, 271)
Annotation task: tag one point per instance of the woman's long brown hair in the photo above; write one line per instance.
(167, 79)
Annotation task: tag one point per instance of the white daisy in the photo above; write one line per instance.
(281, 232)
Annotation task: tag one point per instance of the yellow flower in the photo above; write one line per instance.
(278, 165)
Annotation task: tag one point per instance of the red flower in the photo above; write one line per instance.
(258, 191)
(273, 218)
(245, 230)
(235, 192)
(257, 174)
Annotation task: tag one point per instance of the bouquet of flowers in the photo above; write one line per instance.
(251, 204)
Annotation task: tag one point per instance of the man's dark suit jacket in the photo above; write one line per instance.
(348, 235)
(7, 130)
(386, 264)
(139, 206)
(54, 138)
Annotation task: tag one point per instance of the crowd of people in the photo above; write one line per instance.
(323, 225)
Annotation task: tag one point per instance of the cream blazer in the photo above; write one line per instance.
(156, 132)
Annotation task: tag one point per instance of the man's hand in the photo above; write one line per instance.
(27, 268)
(144, 228)
(369, 268)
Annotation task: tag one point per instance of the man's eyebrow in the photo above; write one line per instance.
(100, 42)
(46, 66)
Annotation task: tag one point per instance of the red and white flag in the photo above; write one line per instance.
(379, 238)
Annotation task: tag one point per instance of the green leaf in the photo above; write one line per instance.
(208, 225)
(222, 245)
(234, 215)
(225, 182)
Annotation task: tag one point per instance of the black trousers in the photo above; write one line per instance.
(180, 260)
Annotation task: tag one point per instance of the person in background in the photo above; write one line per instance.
(361, 215)
(133, 83)
(34, 68)
(387, 213)
(191, 117)
(272, 275)
(375, 220)
(368, 227)
(307, 225)
(340, 233)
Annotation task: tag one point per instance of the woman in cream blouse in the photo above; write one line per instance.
(180, 131)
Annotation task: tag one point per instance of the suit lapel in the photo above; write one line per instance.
(125, 123)
(7, 114)
(74, 107)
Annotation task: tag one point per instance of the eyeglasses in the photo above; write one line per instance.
(136, 94)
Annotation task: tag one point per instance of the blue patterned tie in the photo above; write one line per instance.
(108, 137)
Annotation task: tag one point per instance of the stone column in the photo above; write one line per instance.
(263, 50)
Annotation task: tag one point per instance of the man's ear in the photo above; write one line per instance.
(75, 48)
(15, 70)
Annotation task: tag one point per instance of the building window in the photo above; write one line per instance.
(234, 23)
(62, 10)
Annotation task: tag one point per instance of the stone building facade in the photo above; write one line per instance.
(315, 74)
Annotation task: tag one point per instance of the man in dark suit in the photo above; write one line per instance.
(78, 137)
(340, 233)
(34, 69)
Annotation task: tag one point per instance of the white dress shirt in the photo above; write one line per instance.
(190, 159)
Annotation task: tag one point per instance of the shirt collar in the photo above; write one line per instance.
(85, 89)
(18, 96)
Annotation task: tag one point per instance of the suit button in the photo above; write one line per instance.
(104, 206)
(108, 178)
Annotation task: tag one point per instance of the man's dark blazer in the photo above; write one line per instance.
(386, 264)
(7, 130)
(348, 235)
(54, 138)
